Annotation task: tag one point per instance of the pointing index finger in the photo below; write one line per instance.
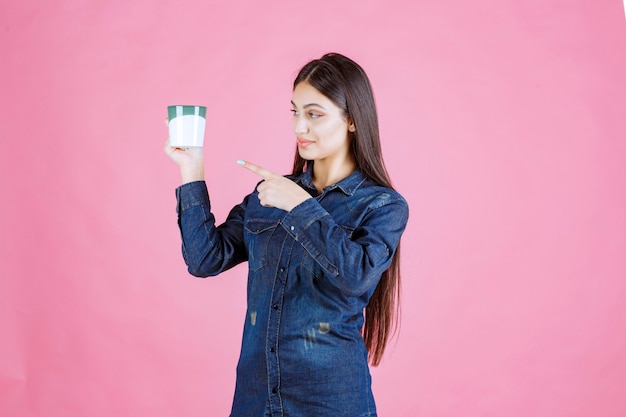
(260, 171)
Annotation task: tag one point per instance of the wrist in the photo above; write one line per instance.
(191, 173)
(297, 203)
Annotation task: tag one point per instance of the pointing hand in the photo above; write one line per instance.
(276, 190)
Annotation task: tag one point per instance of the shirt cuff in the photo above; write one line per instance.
(302, 216)
(190, 195)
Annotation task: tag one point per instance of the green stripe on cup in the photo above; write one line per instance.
(185, 110)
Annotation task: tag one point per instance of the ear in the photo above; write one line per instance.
(351, 127)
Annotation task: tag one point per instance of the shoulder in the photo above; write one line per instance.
(376, 196)
(381, 193)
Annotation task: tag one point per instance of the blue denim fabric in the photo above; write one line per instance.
(311, 273)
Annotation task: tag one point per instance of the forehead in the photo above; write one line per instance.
(305, 95)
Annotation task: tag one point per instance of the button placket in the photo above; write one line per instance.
(273, 360)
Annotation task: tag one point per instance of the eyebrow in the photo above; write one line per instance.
(306, 106)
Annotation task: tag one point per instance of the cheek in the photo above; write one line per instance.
(335, 128)
(338, 133)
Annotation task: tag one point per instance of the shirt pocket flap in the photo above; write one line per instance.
(259, 232)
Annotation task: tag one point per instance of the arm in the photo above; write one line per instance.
(207, 249)
(353, 263)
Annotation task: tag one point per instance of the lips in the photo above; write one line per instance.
(303, 143)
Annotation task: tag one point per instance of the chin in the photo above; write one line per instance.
(305, 155)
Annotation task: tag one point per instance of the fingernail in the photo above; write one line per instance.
(240, 162)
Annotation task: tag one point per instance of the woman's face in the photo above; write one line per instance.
(320, 126)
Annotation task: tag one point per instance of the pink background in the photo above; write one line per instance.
(503, 124)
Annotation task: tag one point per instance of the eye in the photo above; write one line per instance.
(314, 115)
(295, 112)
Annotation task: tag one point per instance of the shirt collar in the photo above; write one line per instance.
(348, 185)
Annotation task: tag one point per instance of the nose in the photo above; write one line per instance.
(300, 125)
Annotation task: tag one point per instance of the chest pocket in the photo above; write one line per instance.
(258, 234)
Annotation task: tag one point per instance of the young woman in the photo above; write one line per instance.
(322, 246)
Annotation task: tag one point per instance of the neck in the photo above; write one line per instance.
(326, 173)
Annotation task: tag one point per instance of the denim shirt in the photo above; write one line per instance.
(311, 273)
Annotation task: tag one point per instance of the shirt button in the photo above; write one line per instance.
(282, 269)
(274, 390)
(272, 350)
(275, 306)
(292, 228)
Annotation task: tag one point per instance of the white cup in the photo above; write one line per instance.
(186, 125)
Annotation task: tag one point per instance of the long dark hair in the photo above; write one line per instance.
(345, 83)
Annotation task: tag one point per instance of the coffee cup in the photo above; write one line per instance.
(186, 125)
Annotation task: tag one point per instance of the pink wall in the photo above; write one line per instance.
(503, 125)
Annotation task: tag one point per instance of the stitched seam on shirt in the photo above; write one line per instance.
(322, 261)
(267, 362)
(212, 248)
(358, 185)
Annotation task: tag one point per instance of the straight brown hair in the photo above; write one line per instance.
(345, 83)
